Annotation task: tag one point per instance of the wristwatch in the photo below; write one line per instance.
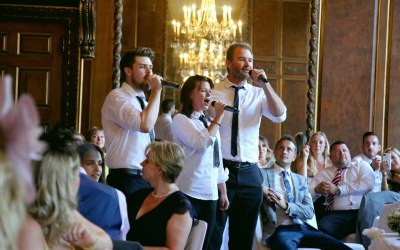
(338, 192)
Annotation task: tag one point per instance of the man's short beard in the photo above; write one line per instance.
(370, 156)
(239, 76)
(139, 86)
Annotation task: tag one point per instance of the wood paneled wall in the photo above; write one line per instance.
(393, 88)
(102, 64)
(346, 85)
(360, 71)
(359, 77)
(280, 38)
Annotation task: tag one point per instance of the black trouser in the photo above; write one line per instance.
(205, 210)
(244, 188)
(126, 180)
(339, 223)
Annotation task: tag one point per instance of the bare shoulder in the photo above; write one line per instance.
(31, 235)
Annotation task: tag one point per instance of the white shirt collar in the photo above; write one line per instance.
(278, 169)
(196, 114)
(227, 84)
(82, 170)
(131, 91)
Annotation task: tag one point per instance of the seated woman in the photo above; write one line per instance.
(57, 182)
(12, 205)
(391, 179)
(160, 216)
(94, 198)
(314, 156)
(265, 153)
(96, 136)
(92, 160)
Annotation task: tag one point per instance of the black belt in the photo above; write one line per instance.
(126, 171)
(236, 164)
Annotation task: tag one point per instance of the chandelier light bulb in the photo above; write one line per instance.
(201, 41)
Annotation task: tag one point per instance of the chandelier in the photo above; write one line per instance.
(201, 41)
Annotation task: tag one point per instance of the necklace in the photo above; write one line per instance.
(156, 196)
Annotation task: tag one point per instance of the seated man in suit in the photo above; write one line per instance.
(287, 205)
(343, 186)
(102, 205)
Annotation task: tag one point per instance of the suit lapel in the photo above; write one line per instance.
(271, 178)
(296, 184)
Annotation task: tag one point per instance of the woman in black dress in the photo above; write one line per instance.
(162, 215)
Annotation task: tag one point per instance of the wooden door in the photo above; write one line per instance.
(39, 48)
(32, 54)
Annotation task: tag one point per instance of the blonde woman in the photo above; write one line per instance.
(96, 136)
(57, 182)
(265, 153)
(160, 217)
(12, 208)
(314, 156)
(391, 179)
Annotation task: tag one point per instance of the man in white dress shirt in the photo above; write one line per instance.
(128, 122)
(371, 148)
(239, 145)
(343, 186)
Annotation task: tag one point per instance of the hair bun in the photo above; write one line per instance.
(59, 140)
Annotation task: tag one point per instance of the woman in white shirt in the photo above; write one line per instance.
(203, 174)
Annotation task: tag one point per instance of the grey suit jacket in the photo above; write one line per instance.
(301, 209)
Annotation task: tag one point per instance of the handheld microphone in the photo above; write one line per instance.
(227, 108)
(260, 77)
(168, 84)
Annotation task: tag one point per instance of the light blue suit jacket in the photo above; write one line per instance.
(301, 209)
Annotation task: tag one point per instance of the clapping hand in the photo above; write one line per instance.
(275, 198)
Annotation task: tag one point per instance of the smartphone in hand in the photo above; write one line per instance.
(387, 158)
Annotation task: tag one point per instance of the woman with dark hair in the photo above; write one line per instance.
(96, 137)
(203, 173)
(92, 160)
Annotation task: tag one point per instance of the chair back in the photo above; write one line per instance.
(370, 207)
(196, 237)
(385, 211)
(126, 245)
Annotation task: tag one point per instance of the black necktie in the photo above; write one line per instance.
(203, 119)
(235, 119)
(142, 106)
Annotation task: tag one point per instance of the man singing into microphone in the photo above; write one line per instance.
(239, 135)
(128, 122)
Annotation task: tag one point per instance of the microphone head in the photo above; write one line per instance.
(250, 72)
